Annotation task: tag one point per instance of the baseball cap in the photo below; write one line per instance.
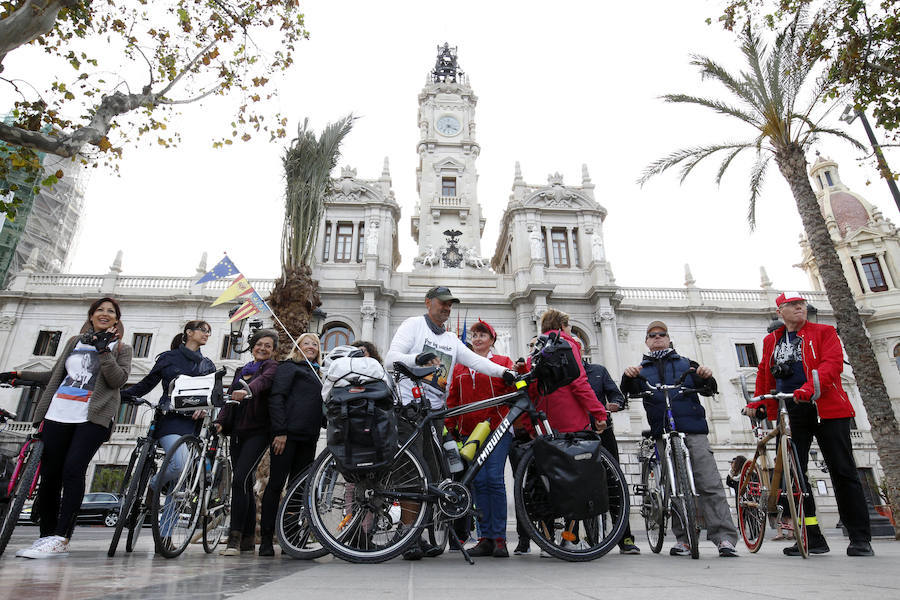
(788, 297)
(441, 293)
(657, 325)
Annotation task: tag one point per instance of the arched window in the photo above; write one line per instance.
(897, 355)
(336, 334)
(582, 338)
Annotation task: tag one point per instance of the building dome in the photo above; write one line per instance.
(848, 211)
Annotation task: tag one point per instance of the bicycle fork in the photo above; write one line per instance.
(687, 463)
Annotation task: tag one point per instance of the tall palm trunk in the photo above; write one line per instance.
(792, 164)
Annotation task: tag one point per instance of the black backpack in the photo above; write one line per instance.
(553, 363)
(362, 426)
(570, 469)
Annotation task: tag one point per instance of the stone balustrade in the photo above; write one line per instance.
(126, 285)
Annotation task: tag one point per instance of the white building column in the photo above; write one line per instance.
(573, 260)
(548, 247)
(354, 242)
(862, 275)
(885, 272)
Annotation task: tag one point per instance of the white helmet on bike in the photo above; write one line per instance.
(340, 352)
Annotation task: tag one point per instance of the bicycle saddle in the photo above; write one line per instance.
(414, 372)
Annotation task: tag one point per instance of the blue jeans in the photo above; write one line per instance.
(176, 464)
(490, 491)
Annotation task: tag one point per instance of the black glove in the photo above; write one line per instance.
(509, 377)
(102, 340)
(8, 376)
(425, 357)
(761, 413)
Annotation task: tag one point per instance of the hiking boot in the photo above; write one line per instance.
(726, 549)
(414, 553)
(626, 546)
(819, 546)
(484, 547)
(248, 543)
(523, 547)
(861, 548)
(265, 544)
(680, 549)
(500, 550)
(233, 547)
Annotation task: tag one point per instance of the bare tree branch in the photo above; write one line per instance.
(30, 21)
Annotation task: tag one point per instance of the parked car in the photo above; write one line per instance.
(102, 507)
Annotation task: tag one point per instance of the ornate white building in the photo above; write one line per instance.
(550, 252)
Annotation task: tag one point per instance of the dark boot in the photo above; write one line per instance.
(233, 548)
(484, 547)
(248, 543)
(265, 544)
(815, 540)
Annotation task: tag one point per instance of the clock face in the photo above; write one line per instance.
(448, 125)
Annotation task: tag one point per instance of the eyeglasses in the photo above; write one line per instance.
(206, 331)
(657, 334)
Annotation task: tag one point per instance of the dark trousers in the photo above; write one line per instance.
(608, 440)
(833, 436)
(68, 450)
(245, 456)
(295, 457)
(515, 456)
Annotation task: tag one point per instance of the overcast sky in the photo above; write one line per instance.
(559, 85)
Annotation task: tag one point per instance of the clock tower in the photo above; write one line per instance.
(447, 223)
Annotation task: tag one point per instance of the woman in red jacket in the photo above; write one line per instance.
(468, 386)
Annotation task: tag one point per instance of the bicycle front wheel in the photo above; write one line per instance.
(142, 505)
(751, 505)
(20, 492)
(176, 497)
(216, 521)
(132, 493)
(683, 498)
(794, 488)
(368, 518)
(653, 507)
(559, 536)
(295, 535)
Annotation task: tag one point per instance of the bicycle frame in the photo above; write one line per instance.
(20, 465)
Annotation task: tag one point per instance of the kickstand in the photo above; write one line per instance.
(456, 545)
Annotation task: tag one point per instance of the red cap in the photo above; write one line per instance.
(485, 326)
(788, 297)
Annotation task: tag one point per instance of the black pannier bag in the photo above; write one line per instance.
(554, 364)
(572, 472)
(362, 426)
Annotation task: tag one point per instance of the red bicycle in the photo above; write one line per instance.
(25, 477)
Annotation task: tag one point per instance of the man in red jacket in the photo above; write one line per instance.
(790, 354)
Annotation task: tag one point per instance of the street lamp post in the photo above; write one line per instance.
(849, 115)
(237, 331)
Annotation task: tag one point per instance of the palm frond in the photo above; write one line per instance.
(710, 69)
(815, 130)
(757, 175)
(725, 163)
(716, 105)
(692, 155)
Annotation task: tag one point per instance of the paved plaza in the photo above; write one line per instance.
(88, 573)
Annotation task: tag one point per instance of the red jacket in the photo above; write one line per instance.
(568, 408)
(822, 352)
(464, 389)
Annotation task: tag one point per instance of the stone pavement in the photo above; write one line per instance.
(88, 573)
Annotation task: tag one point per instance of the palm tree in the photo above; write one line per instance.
(767, 98)
(308, 163)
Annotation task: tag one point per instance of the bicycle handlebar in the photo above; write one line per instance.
(6, 415)
(678, 385)
(817, 391)
(14, 383)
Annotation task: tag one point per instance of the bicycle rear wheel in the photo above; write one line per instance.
(598, 534)
(20, 492)
(295, 535)
(794, 488)
(653, 507)
(355, 516)
(176, 499)
(751, 505)
(216, 521)
(683, 498)
(132, 493)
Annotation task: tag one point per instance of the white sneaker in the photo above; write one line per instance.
(56, 546)
(573, 546)
(21, 551)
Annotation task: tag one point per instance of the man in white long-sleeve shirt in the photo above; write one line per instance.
(423, 341)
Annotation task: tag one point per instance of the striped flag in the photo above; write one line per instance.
(254, 304)
(239, 287)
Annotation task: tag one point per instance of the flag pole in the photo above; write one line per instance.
(294, 342)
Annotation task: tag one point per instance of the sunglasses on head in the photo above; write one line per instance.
(657, 334)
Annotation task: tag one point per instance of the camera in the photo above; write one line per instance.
(783, 370)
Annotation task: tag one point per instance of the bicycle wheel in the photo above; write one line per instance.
(20, 492)
(355, 517)
(295, 536)
(751, 509)
(438, 532)
(142, 506)
(175, 502)
(599, 534)
(132, 493)
(216, 521)
(794, 490)
(653, 504)
(683, 498)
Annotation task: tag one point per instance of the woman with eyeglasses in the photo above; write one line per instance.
(183, 358)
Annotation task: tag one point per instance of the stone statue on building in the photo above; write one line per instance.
(473, 259)
(597, 252)
(428, 258)
(536, 241)
(372, 238)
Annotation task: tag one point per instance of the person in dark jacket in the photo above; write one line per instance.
(663, 365)
(608, 393)
(248, 426)
(295, 412)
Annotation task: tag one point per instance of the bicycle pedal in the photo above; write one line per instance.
(639, 489)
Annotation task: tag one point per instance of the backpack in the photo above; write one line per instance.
(571, 470)
(189, 393)
(554, 363)
(359, 408)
